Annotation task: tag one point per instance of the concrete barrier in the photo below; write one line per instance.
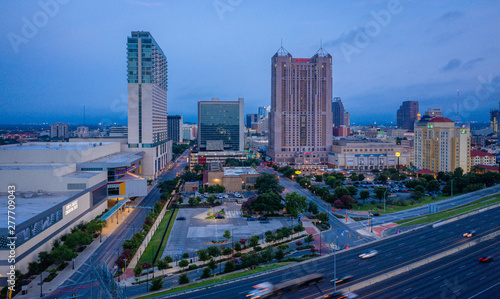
(418, 264)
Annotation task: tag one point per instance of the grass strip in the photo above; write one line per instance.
(477, 204)
(394, 208)
(154, 244)
(218, 279)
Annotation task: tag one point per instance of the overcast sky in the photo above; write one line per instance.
(55, 59)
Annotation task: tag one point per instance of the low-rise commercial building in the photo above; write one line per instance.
(203, 158)
(364, 155)
(59, 185)
(234, 179)
(482, 158)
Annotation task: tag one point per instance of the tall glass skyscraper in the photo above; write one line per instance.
(147, 101)
(220, 125)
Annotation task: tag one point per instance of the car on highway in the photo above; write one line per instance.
(376, 214)
(368, 254)
(485, 259)
(343, 279)
(218, 216)
(340, 295)
(470, 233)
(251, 219)
(181, 218)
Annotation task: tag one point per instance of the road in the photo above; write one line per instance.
(394, 252)
(460, 275)
(80, 281)
(349, 237)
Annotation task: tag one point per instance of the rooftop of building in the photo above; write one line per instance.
(218, 153)
(440, 119)
(425, 171)
(237, 171)
(30, 146)
(16, 166)
(214, 167)
(489, 167)
(32, 205)
(357, 142)
(480, 154)
(120, 158)
(82, 174)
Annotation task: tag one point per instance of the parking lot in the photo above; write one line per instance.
(193, 233)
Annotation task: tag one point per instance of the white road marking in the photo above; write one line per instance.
(442, 285)
(470, 273)
(437, 277)
(406, 290)
(461, 267)
(482, 278)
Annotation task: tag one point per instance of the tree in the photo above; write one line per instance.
(212, 264)
(339, 191)
(353, 177)
(62, 254)
(183, 264)
(295, 203)
(203, 255)
(419, 192)
(199, 168)
(227, 234)
(45, 259)
(213, 251)
(380, 192)
(318, 178)
(180, 199)
(312, 208)
(237, 246)
(227, 251)
(353, 191)
(229, 267)
(333, 182)
(206, 272)
(189, 176)
(267, 202)
(267, 254)
(323, 217)
(138, 270)
(309, 239)
(78, 238)
(347, 201)
(162, 265)
(382, 178)
(364, 194)
(268, 182)
(33, 267)
(458, 173)
(250, 259)
(193, 201)
(280, 254)
(254, 241)
(211, 199)
(361, 177)
(156, 283)
(216, 189)
(185, 255)
(183, 278)
(433, 186)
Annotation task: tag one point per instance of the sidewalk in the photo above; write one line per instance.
(66, 273)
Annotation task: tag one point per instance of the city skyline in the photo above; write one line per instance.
(449, 50)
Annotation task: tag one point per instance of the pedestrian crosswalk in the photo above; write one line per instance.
(233, 214)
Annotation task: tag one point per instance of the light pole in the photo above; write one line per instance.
(41, 284)
(385, 193)
(452, 187)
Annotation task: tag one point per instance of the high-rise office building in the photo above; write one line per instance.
(264, 111)
(220, 125)
(494, 118)
(252, 119)
(59, 130)
(300, 121)
(407, 115)
(440, 146)
(147, 102)
(175, 128)
(340, 116)
(433, 112)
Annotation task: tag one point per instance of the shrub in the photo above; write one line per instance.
(257, 248)
(156, 283)
(206, 272)
(229, 267)
(146, 265)
(183, 278)
(192, 267)
(185, 255)
(138, 270)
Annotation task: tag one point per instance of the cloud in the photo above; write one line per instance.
(452, 65)
(345, 37)
(470, 64)
(451, 15)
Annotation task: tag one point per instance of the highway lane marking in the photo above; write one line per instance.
(485, 290)
(437, 277)
(470, 273)
(406, 290)
(461, 267)
(483, 278)
(424, 273)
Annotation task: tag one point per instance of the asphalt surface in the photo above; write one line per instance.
(393, 253)
(82, 282)
(460, 275)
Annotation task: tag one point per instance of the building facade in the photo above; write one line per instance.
(433, 112)
(207, 157)
(251, 119)
(364, 155)
(407, 115)
(59, 130)
(482, 158)
(147, 102)
(340, 116)
(189, 131)
(221, 125)
(300, 120)
(440, 146)
(175, 132)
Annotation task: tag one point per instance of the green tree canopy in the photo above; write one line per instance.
(295, 203)
(268, 182)
(267, 202)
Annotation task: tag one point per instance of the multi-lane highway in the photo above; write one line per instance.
(394, 252)
(81, 281)
(460, 275)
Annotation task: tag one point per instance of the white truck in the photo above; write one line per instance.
(267, 289)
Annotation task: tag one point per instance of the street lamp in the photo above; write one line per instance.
(398, 154)
(452, 187)
(385, 192)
